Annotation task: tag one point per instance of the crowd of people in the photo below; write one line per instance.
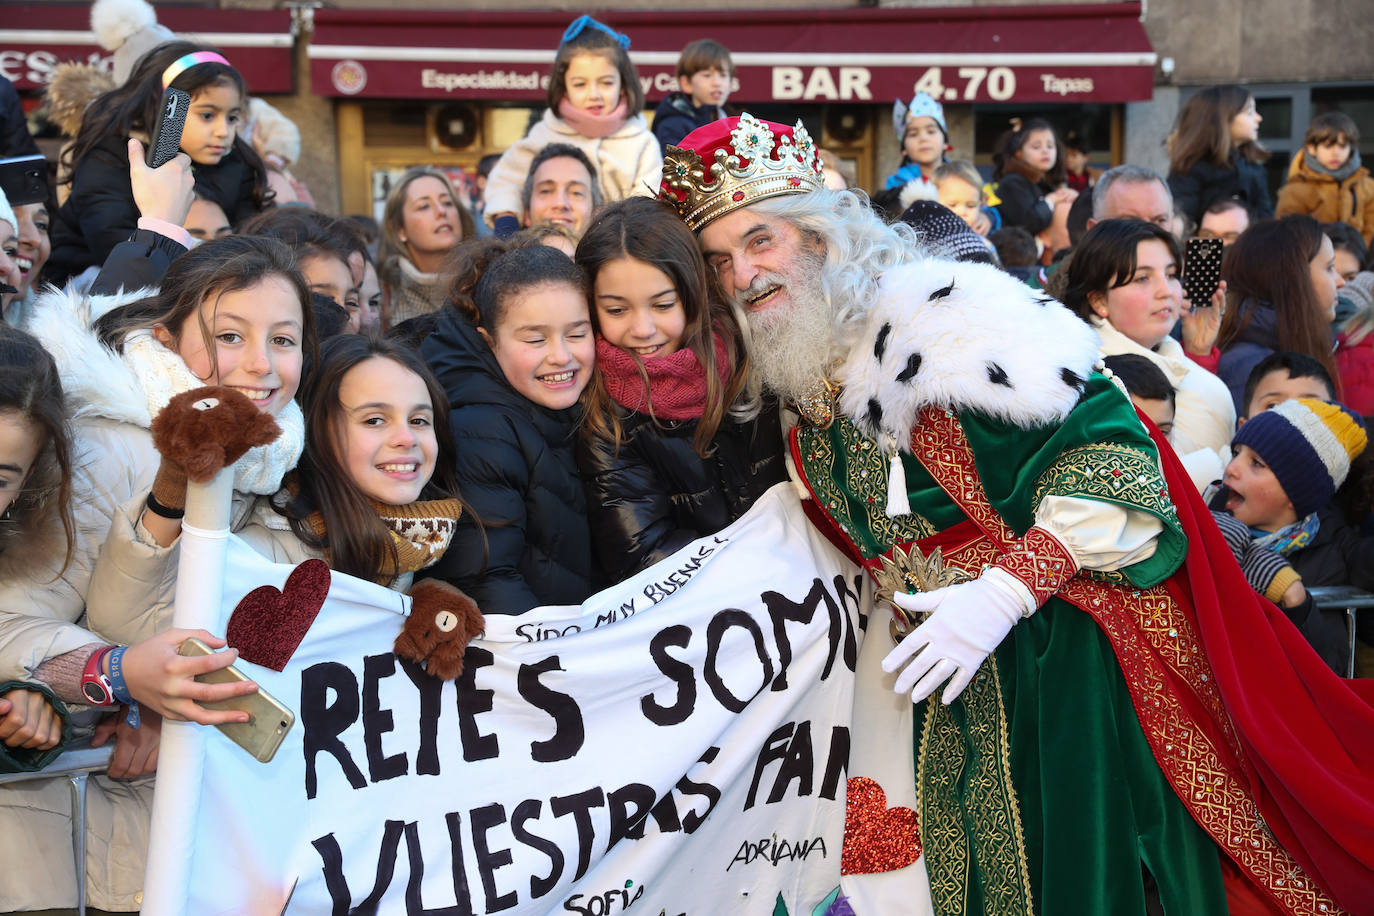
(579, 378)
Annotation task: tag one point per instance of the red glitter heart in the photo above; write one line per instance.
(876, 838)
(268, 625)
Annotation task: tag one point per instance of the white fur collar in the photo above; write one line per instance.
(134, 386)
(959, 335)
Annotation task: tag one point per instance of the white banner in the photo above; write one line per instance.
(678, 744)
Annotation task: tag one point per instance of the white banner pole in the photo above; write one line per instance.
(200, 581)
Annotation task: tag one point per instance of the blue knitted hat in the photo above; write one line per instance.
(1309, 445)
(922, 106)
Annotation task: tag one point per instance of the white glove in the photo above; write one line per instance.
(969, 621)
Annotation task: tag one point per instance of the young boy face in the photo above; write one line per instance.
(1347, 265)
(1278, 386)
(1331, 155)
(706, 87)
(1160, 412)
(1255, 496)
(961, 197)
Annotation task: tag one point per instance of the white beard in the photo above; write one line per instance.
(792, 344)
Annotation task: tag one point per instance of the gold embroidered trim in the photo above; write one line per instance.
(964, 778)
(841, 451)
(1109, 472)
(1162, 662)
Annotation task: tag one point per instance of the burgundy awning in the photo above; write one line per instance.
(1068, 52)
(38, 36)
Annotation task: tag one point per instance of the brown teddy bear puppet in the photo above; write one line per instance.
(201, 432)
(442, 622)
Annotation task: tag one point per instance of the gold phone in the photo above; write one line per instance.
(269, 719)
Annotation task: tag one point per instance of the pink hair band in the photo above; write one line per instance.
(186, 62)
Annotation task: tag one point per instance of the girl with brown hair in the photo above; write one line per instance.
(1215, 154)
(663, 459)
(1281, 285)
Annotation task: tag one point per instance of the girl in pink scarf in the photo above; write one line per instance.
(666, 452)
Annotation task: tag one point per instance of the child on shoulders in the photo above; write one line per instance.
(704, 74)
(1327, 179)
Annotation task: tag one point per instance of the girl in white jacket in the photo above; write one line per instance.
(595, 101)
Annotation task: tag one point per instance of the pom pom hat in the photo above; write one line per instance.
(1309, 445)
(735, 162)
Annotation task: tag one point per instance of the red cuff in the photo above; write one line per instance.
(1208, 362)
(1041, 562)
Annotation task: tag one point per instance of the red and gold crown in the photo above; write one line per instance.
(750, 160)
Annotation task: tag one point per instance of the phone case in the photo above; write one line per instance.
(1201, 269)
(170, 120)
(270, 719)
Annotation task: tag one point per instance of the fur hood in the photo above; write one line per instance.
(74, 87)
(965, 336)
(95, 380)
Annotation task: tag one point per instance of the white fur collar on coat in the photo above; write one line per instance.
(133, 386)
(959, 335)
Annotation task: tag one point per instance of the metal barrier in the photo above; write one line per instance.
(75, 764)
(1347, 599)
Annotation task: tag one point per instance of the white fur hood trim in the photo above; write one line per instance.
(918, 189)
(95, 380)
(960, 335)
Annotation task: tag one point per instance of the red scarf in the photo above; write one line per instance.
(677, 382)
(591, 125)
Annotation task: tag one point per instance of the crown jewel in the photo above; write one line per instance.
(754, 166)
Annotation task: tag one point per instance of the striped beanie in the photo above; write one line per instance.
(1309, 445)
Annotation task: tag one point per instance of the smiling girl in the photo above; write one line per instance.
(663, 461)
(514, 356)
(595, 102)
(100, 211)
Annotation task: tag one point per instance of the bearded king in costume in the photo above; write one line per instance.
(1122, 718)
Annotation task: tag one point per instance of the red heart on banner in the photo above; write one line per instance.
(268, 625)
(876, 838)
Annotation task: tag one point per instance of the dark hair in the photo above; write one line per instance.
(1297, 365)
(359, 543)
(1226, 205)
(310, 233)
(133, 107)
(560, 151)
(1105, 259)
(704, 54)
(30, 387)
(593, 40)
(510, 273)
(1141, 376)
(1331, 128)
(1345, 237)
(1270, 264)
(1010, 143)
(365, 227)
(208, 271)
(1015, 246)
(1203, 129)
(487, 163)
(649, 230)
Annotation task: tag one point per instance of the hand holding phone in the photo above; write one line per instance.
(268, 718)
(1201, 269)
(171, 119)
(166, 192)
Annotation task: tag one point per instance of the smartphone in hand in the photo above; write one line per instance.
(269, 718)
(1201, 270)
(171, 118)
(24, 179)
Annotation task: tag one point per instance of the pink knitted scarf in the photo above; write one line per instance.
(677, 382)
(591, 125)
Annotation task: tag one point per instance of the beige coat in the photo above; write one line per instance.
(629, 162)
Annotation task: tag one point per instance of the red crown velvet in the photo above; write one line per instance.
(734, 162)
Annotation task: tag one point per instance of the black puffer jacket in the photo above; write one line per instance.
(517, 471)
(1336, 556)
(656, 494)
(100, 212)
(1206, 183)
